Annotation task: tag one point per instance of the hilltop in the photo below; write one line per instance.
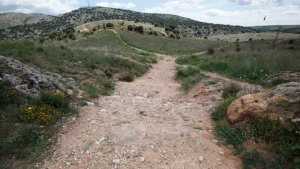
(85, 15)
(12, 19)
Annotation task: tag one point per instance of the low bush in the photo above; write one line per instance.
(90, 90)
(58, 101)
(39, 114)
(186, 72)
(231, 90)
(109, 25)
(126, 76)
(190, 81)
(139, 29)
(107, 86)
(189, 76)
(254, 159)
(9, 95)
(210, 51)
(229, 135)
(130, 28)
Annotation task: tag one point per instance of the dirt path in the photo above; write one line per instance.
(147, 124)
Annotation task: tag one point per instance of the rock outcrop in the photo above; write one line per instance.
(281, 102)
(284, 76)
(31, 81)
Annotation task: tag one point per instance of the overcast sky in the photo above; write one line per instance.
(234, 12)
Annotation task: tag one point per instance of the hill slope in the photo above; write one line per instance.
(84, 15)
(11, 19)
(281, 28)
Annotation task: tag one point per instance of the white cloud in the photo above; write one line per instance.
(128, 5)
(277, 11)
(263, 2)
(41, 6)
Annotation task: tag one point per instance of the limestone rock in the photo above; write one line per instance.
(281, 102)
(31, 81)
(250, 105)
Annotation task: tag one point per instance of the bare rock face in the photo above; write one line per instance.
(31, 81)
(281, 102)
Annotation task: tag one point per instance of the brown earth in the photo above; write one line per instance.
(148, 123)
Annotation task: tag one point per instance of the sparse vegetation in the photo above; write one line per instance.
(231, 90)
(74, 61)
(189, 77)
(126, 76)
(252, 65)
(278, 141)
(166, 45)
(28, 141)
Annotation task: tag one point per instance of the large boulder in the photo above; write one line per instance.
(281, 102)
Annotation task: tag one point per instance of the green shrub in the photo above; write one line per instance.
(130, 28)
(190, 81)
(58, 101)
(107, 86)
(109, 25)
(231, 90)
(254, 159)
(229, 135)
(39, 114)
(210, 51)
(8, 94)
(186, 72)
(266, 130)
(126, 76)
(91, 90)
(139, 29)
(189, 76)
(172, 36)
(28, 135)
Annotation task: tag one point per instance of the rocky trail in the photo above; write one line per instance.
(148, 123)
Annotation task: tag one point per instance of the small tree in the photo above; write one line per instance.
(139, 29)
(110, 25)
(42, 39)
(72, 36)
(210, 51)
(130, 28)
(172, 36)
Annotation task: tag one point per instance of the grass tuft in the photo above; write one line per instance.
(189, 76)
(126, 76)
(231, 91)
(220, 111)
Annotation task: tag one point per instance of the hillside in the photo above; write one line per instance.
(84, 15)
(12, 19)
(281, 28)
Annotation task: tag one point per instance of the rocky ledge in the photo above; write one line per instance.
(31, 81)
